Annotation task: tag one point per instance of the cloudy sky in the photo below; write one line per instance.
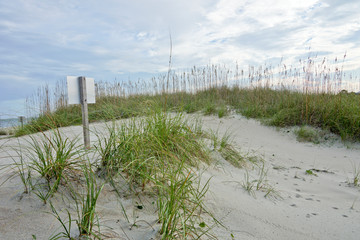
(43, 41)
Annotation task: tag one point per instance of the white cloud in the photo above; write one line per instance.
(17, 78)
(141, 35)
(44, 40)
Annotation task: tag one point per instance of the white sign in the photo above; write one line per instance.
(73, 85)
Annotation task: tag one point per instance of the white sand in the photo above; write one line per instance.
(311, 207)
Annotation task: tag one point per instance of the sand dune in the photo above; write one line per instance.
(322, 205)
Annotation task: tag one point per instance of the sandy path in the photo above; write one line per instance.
(311, 207)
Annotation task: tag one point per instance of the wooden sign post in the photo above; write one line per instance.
(81, 90)
(85, 113)
(21, 120)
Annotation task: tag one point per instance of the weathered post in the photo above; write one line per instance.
(81, 90)
(85, 113)
(21, 120)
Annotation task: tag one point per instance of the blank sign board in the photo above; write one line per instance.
(73, 86)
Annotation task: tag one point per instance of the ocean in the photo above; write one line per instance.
(9, 122)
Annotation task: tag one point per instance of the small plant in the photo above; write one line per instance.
(22, 169)
(53, 157)
(230, 154)
(107, 146)
(272, 193)
(210, 109)
(227, 150)
(85, 207)
(356, 175)
(261, 182)
(225, 140)
(66, 225)
(86, 211)
(223, 146)
(190, 108)
(179, 205)
(248, 185)
(222, 111)
(43, 191)
(214, 138)
(307, 134)
(310, 172)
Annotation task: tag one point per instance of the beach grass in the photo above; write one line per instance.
(87, 217)
(159, 153)
(337, 113)
(309, 94)
(85, 204)
(156, 154)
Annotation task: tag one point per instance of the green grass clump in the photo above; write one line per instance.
(190, 108)
(137, 147)
(307, 134)
(210, 109)
(54, 160)
(53, 157)
(222, 111)
(179, 203)
(260, 183)
(226, 149)
(157, 152)
(86, 208)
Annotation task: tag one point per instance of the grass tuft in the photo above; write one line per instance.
(157, 153)
(86, 210)
(53, 157)
(307, 134)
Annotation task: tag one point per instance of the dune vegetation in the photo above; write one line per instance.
(311, 94)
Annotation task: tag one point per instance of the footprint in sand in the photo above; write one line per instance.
(312, 214)
(298, 196)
